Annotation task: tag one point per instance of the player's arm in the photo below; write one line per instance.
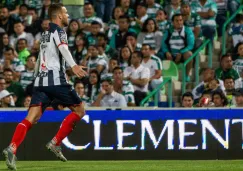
(37, 65)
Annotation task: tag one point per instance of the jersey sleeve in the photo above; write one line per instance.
(145, 73)
(60, 37)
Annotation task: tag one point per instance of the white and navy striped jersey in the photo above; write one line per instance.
(51, 64)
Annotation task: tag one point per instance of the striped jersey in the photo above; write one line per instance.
(163, 26)
(51, 63)
(222, 6)
(238, 65)
(151, 11)
(113, 26)
(27, 78)
(94, 62)
(153, 64)
(128, 91)
(17, 65)
(210, 4)
(193, 21)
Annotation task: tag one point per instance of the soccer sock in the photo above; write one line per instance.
(19, 134)
(66, 128)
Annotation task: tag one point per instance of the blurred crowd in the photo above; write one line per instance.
(122, 43)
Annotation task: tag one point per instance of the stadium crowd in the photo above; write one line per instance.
(122, 44)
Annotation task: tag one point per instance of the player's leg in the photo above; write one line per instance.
(34, 114)
(71, 99)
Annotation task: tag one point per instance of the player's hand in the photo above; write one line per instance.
(79, 71)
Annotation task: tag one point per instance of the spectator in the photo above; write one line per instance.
(236, 30)
(34, 25)
(20, 33)
(207, 10)
(6, 21)
(118, 38)
(79, 88)
(219, 99)
(102, 41)
(95, 29)
(23, 12)
(139, 76)
(229, 85)
(152, 8)
(207, 77)
(161, 20)
(113, 63)
(44, 10)
(12, 62)
(22, 50)
(173, 8)
(80, 49)
(123, 87)
(125, 5)
(93, 85)
(108, 97)
(150, 35)
(3, 87)
(4, 44)
(89, 17)
(72, 30)
(205, 100)
(238, 94)
(141, 17)
(187, 100)
(113, 24)
(13, 87)
(221, 15)
(34, 4)
(44, 27)
(178, 43)
(226, 70)
(131, 42)
(193, 21)
(238, 63)
(5, 99)
(93, 61)
(104, 9)
(155, 66)
(27, 101)
(233, 6)
(125, 57)
(27, 76)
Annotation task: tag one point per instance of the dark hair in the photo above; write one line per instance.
(96, 23)
(32, 9)
(145, 44)
(107, 80)
(117, 68)
(8, 70)
(89, 93)
(162, 11)
(238, 18)
(24, 5)
(115, 59)
(69, 25)
(222, 96)
(237, 47)
(77, 82)
(18, 22)
(176, 15)
(81, 34)
(31, 55)
(225, 56)
(103, 35)
(22, 39)
(206, 92)
(125, 17)
(129, 59)
(131, 34)
(144, 29)
(88, 3)
(139, 53)
(228, 78)
(8, 48)
(53, 9)
(1, 7)
(187, 94)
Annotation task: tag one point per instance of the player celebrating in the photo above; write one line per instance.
(50, 83)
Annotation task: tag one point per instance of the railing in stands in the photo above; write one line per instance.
(195, 55)
(153, 93)
(224, 29)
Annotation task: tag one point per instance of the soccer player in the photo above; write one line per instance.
(50, 83)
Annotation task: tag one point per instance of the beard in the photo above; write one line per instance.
(65, 23)
(3, 18)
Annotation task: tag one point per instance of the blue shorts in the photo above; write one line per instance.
(65, 94)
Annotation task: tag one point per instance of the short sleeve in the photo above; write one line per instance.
(60, 37)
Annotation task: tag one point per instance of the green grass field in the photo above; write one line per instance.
(229, 165)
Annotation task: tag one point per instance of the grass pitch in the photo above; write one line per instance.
(152, 165)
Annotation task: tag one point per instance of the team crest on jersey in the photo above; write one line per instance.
(63, 37)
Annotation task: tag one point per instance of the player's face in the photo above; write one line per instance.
(64, 17)
(187, 102)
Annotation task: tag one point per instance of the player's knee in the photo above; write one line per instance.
(79, 110)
